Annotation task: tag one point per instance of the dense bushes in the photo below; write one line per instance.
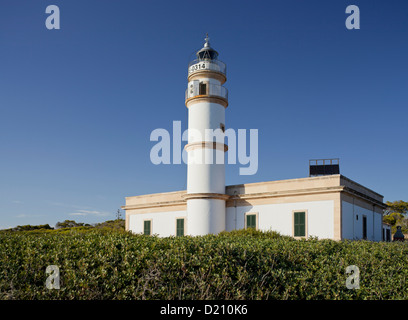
(70, 226)
(30, 228)
(236, 265)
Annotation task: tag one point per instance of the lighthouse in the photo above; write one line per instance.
(206, 100)
(325, 206)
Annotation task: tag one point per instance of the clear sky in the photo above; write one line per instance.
(77, 105)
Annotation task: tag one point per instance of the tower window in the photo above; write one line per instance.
(203, 88)
(222, 127)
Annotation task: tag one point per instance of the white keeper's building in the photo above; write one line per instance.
(328, 206)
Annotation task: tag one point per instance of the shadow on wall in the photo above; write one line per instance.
(237, 201)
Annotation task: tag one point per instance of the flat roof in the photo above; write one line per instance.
(329, 183)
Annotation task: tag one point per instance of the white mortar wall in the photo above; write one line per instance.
(207, 178)
(348, 221)
(205, 216)
(163, 223)
(353, 227)
(377, 226)
(278, 217)
(204, 115)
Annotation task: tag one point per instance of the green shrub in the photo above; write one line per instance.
(243, 264)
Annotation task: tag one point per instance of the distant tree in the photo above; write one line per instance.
(30, 227)
(396, 215)
(397, 206)
(118, 215)
(392, 218)
(404, 225)
(68, 224)
(118, 224)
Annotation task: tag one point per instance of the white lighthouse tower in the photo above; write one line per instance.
(206, 100)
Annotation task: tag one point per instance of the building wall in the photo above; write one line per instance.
(163, 223)
(387, 236)
(352, 222)
(331, 202)
(279, 217)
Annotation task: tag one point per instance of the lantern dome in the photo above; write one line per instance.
(206, 52)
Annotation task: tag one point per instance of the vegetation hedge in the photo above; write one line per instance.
(244, 264)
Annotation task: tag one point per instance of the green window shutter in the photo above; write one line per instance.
(180, 227)
(147, 227)
(300, 224)
(251, 221)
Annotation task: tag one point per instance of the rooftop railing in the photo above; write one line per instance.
(213, 65)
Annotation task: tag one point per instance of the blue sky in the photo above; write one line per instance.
(77, 105)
